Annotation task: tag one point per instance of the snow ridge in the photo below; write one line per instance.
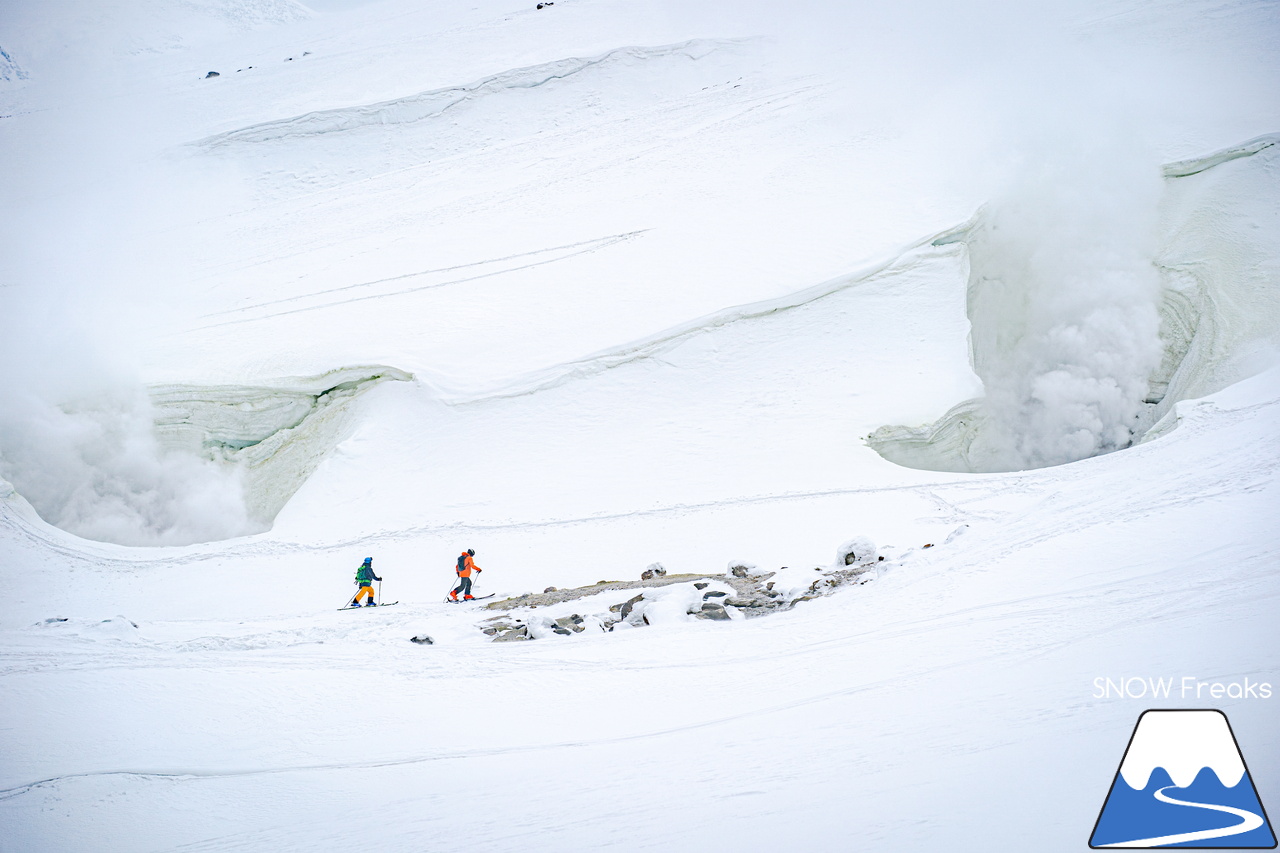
(647, 347)
(434, 102)
(1195, 165)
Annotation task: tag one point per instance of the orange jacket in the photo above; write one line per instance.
(467, 565)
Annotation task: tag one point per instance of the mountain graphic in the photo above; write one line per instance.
(1183, 783)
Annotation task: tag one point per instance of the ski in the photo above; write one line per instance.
(464, 601)
(363, 606)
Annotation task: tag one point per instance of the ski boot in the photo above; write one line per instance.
(468, 598)
(453, 595)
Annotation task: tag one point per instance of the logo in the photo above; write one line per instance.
(1183, 783)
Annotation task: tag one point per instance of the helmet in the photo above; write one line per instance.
(368, 560)
(471, 551)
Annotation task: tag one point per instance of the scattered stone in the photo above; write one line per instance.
(520, 632)
(627, 606)
(212, 74)
(422, 640)
(930, 545)
(715, 612)
(750, 594)
(655, 570)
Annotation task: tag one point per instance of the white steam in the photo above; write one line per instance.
(96, 470)
(82, 282)
(1064, 305)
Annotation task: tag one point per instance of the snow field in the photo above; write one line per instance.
(650, 306)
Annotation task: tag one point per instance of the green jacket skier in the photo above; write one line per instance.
(364, 579)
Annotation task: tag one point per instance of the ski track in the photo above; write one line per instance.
(740, 105)
(446, 755)
(1248, 822)
(585, 248)
(596, 241)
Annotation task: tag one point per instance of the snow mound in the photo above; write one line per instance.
(1067, 378)
(115, 628)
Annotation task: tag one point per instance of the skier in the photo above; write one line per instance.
(465, 566)
(365, 578)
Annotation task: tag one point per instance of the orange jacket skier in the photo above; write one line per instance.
(465, 567)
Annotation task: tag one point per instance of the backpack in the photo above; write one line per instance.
(462, 562)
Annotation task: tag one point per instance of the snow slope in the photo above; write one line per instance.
(644, 277)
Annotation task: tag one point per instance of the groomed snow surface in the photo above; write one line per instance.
(992, 291)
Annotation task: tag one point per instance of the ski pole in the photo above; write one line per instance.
(379, 590)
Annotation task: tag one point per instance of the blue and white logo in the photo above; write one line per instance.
(1183, 783)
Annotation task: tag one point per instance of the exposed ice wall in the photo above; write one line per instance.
(1088, 324)
(178, 465)
(275, 435)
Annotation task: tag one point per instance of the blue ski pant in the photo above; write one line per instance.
(463, 587)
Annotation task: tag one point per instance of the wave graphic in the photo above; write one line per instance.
(1204, 814)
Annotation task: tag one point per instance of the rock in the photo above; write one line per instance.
(739, 571)
(769, 585)
(490, 630)
(422, 640)
(742, 569)
(550, 589)
(212, 74)
(520, 632)
(565, 631)
(628, 605)
(738, 601)
(655, 570)
(714, 611)
(568, 623)
(703, 585)
(714, 594)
